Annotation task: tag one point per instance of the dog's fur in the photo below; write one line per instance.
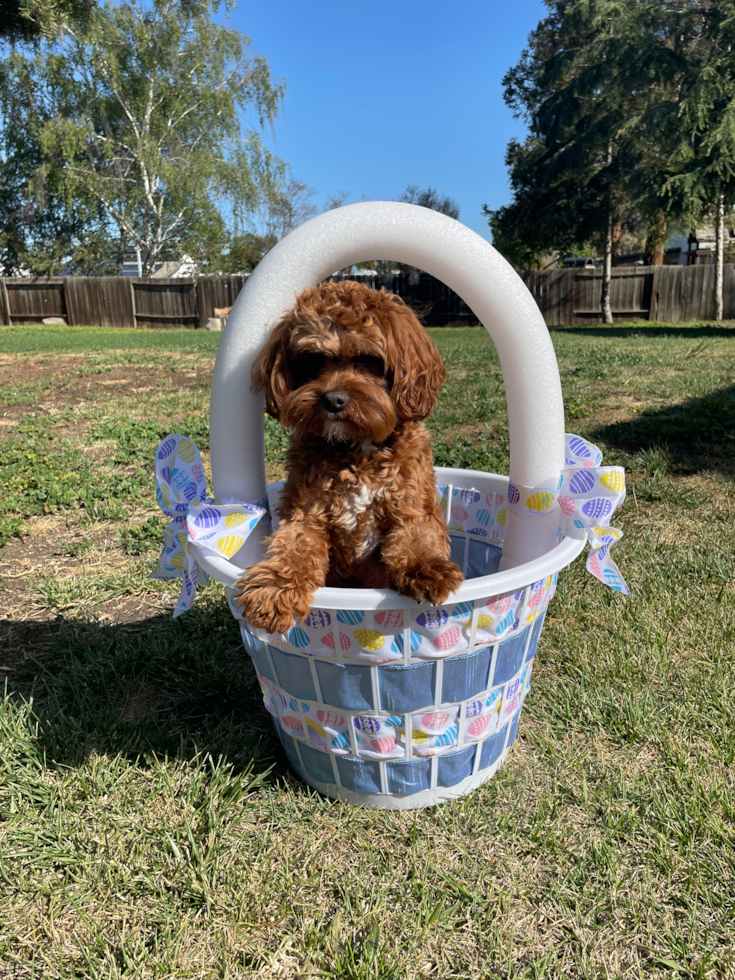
(359, 504)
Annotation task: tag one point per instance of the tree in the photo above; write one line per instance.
(29, 21)
(286, 205)
(701, 182)
(591, 67)
(39, 233)
(144, 116)
(429, 198)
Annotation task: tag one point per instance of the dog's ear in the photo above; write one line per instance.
(414, 364)
(270, 371)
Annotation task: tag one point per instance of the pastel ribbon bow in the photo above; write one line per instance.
(220, 526)
(587, 495)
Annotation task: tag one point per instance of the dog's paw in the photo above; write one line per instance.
(432, 582)
(270, 607)
(268, 604)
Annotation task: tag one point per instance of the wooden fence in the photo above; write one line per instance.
(664, 292)
(565, 296)
(118, 301)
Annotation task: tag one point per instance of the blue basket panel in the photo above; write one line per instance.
(482, 559)
(294, 674)
(535, 637)
(466, 676)
(317, 764)
(456, 553)
(453, 768)
(510, 658)
(259, 656)
(409, 777)
(492, 749)
(347, 687)
(360, 777)
(289, 747)
(514, 728)
(407, 688)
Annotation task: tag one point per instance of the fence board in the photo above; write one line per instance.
(217, 292)
(164, 303)
(32, 300)
(101, 301)
(564, 296)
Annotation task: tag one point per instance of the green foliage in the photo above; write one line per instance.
(136, 440)
(243, 252)
(28, 21)
(276, 441)
(19, 394)
(41, 232)
(141, 538)
(40, 479)
(10, 527)
(428, 197)
(136, 123)
(600, 86)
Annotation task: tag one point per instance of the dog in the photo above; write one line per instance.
(351, 371)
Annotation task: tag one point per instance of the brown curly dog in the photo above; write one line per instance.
(353, 373)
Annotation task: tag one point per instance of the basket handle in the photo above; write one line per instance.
(467, 264)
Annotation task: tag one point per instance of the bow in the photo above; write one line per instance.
(587, 494)
(219, 526)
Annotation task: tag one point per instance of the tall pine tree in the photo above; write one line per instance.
(591, 67)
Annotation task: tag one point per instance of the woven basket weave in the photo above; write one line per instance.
(385, 703)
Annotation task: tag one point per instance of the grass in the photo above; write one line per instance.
(149, 825)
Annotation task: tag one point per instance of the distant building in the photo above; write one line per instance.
(698, 248)
(183, 268)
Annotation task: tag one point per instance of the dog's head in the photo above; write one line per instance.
(347, 363)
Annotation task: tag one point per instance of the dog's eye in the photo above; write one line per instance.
(306, 368)
(369, 363)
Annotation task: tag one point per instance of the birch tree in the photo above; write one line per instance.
(155, 112)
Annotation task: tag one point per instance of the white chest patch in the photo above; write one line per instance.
(355, 502)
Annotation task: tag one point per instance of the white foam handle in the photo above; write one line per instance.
(467, 264)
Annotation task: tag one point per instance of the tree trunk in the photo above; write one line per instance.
(122, 242)
(605, 306)
(617, 231)
(656, 243)
(719, 256)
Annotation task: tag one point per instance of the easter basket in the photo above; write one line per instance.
(376, 700)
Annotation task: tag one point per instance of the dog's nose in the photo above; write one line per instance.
(335, 401)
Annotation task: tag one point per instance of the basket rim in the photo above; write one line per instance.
(485, 586)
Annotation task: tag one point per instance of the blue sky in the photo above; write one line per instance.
(384, 96)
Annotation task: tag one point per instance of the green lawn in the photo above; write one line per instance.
(149, 825)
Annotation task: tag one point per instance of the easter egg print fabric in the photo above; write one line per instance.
(472, 512)
(431, 731)
(588, 494)
(218, 526)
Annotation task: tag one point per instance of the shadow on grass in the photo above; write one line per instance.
(649, 330)
(157, 686)
(698, 434)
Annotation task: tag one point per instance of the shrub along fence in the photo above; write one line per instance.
(564, 296)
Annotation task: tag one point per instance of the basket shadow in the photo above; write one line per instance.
(178, 688)
(695, 435)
